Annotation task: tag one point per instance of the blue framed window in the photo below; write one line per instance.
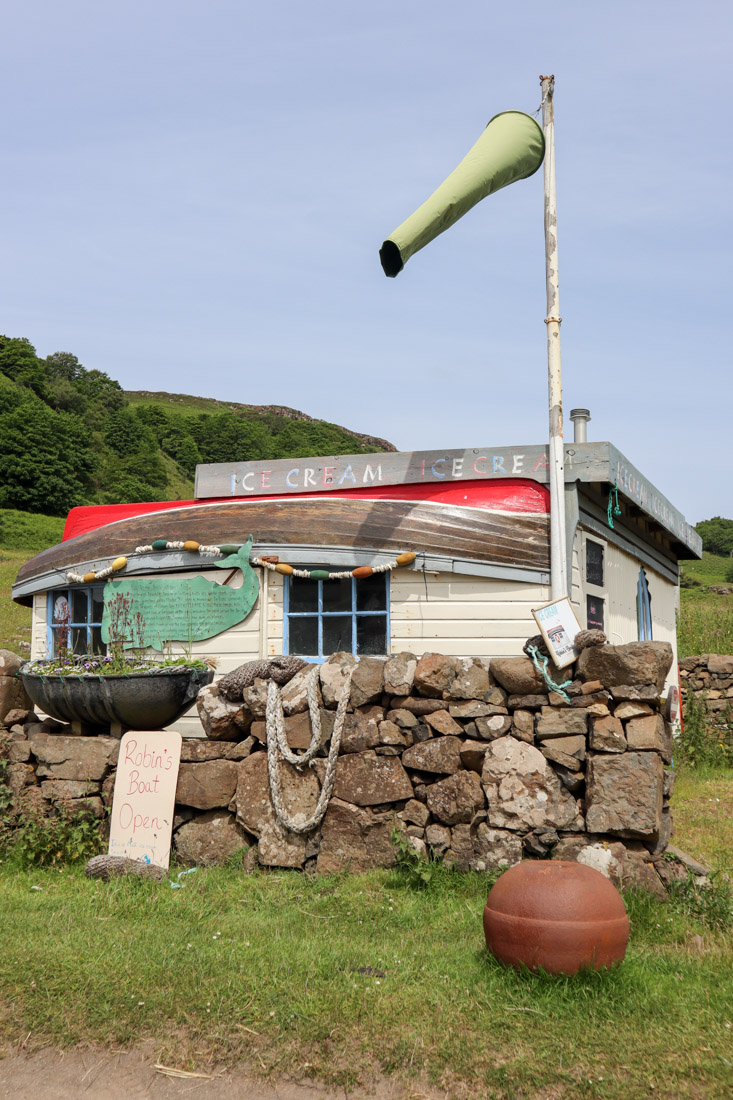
(643, 608)
(75, 620)
(324, 617)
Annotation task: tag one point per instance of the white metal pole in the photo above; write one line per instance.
(558, 556)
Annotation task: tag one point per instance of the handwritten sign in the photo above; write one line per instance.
(559, 625)
(144, 796)
(148, 611)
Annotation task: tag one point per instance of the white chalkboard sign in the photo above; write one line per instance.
(145, 795)
(559, 624)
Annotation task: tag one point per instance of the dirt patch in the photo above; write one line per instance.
(132, 1075)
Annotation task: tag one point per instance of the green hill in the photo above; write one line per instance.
(70, 436)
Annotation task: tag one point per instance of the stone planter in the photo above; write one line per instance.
(139, 700)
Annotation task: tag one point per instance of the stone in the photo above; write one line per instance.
(297, 728)
(333, 673)
(495, 726)
(635, 664)
(630, 709)
(10, 663)
(441, 722)
(405, 719)
(482, 848)
(61, 790)
(62, 757)
(354, 839)
(528, 702)
(390, 734)
(367, 683)
(435, 673)
(13, 695)
(18, 752)
(241, 749)
(18, 776)
(277, 846)
(208, 785)
(440, 754)
(646, 693)
(607, 735)
(540, 842)
(472, 755)
(437, 838)
(415, 813)
(457, 799)
(221, 720)
(194, 750)
(572, 780)
(366, 779)
(209, 839)
(471, 681)
(255, 698)
(523, 725)
(361, 729)
(597, 710)
(399, 673)
(418, 707)
(693, 865)
(669, 778)
(586, 702)
(518, 676)
(418, 845)
(522, 790)
(557, 722)
(624, 794)
(567, 751)
(641, 874)
(659, 844)
(720, 665)
(591, 687)
(18, 716)
(650, 734)
(294, 694)
(473, 708)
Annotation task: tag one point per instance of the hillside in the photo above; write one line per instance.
(70, 435)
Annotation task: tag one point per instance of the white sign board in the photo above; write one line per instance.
(559, 625)
(144, 796)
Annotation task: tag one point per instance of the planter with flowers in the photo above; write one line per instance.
(123, 689)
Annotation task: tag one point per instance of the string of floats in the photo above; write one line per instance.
(158, 545)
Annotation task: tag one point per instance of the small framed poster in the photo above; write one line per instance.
(559, 624)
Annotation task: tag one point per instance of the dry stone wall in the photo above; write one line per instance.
(709, 679)
(477, 763)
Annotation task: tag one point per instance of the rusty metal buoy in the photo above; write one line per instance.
(557, 915)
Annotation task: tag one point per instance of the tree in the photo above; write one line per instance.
(717, 535)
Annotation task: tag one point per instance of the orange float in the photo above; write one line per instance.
(557, 915)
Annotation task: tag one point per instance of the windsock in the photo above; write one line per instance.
(511, 148)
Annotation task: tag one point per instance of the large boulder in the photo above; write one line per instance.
(635, 664)
(207, 785)
(518, 676)
(354, 839)
(277, 846)
(624, 794)
(523, 791)
(435, 673)
(222, 720)
(73, 757)
(457, 799)
(365, 779)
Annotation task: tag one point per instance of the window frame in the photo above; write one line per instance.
(590, 589)
(354, 614)
(88, 624)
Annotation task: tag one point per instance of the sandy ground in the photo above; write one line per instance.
(131, 1075)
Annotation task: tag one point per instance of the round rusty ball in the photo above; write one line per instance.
(558, 915)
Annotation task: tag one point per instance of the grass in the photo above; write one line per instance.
(22, 534)
(339, 978)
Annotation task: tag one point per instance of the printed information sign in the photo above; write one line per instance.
(144, 796)
(559, 624)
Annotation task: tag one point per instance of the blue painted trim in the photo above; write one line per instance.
(88, 625)
(320, 657)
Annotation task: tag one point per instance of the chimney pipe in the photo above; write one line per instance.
(580, 418)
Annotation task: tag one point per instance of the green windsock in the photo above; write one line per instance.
(510, 148)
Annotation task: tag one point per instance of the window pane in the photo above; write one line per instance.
(79, 606)
(594, 611)
(79, 639)
(61, 609)
(336, 634)
(98, 645)
(304, 636)
(594, 563)
(371, 593)
(337, 595)
(97, 605)
(303, 594)
(371, 635)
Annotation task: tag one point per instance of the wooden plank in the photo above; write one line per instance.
(451, 629)
(490, 612)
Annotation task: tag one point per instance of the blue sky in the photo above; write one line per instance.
(193, 197)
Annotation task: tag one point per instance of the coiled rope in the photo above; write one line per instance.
(277, 746)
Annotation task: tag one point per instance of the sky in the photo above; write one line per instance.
(193, 196)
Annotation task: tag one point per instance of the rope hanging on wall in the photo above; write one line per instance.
(193, 547)
(613, 510)
(540, 662)
(277, 745)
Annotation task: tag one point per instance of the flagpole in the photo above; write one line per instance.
(558, 554)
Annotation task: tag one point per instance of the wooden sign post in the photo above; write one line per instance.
(144, 796)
